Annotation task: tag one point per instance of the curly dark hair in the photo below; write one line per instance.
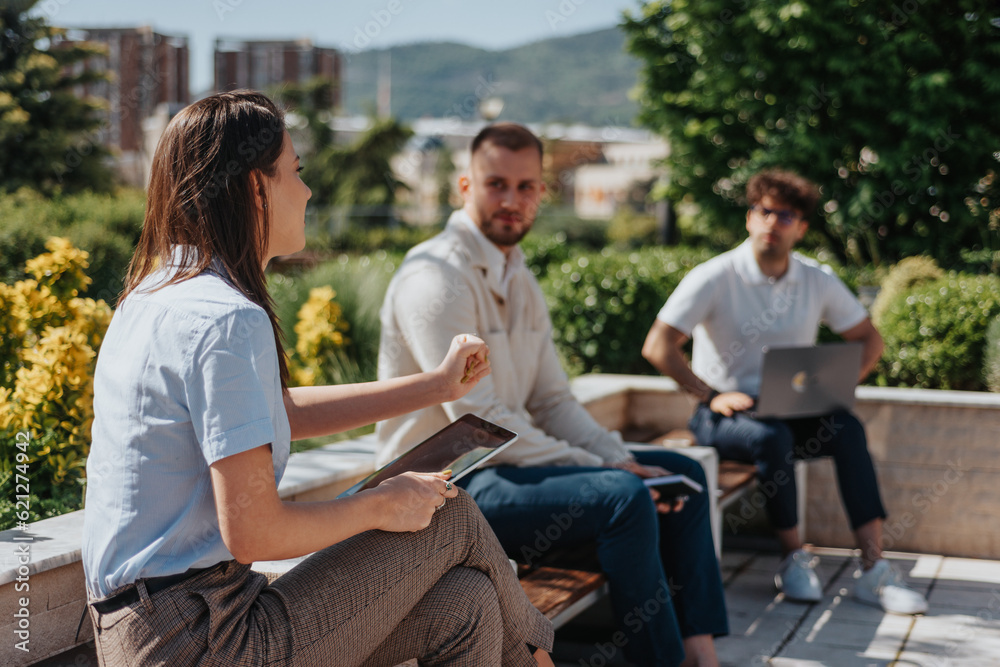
(785, 186)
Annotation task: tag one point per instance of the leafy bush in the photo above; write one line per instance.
(591, 234)
(543, 250)
(363, 240)
(105, 226)
(935, 334)
(991, 367)
(632, 229)
(603, 304)
(47, 359)
(360, 284)
(903, 277)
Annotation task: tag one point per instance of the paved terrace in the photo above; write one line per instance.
(962, 628)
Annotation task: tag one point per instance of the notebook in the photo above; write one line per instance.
(673, 486)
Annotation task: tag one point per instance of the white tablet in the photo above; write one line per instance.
(461, 447)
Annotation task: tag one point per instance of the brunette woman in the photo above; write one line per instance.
(193, 419)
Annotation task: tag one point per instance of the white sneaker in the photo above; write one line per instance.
(796, 577)
(882, 586)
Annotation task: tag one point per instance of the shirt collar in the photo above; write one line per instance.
(182, 255)
(499, 267)
(749, 270)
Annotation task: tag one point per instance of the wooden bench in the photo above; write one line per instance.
(562, 593)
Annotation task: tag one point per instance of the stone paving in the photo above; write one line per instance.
(962, 628)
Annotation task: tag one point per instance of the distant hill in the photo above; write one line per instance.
(583, 78)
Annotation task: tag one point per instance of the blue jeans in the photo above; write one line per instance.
(775, 444)
(662, 571)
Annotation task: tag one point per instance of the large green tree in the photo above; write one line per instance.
(890, 107)
(47, 133)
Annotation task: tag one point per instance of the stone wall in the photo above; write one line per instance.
(937, 455)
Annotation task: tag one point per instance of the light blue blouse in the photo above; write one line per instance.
(187, 375)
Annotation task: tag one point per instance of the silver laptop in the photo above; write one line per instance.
(807, 381)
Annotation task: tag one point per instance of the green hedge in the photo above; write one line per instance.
(106, 226)
(543, 250)
(603, 304)
(358, 239)
(935, 334)
(991, 367)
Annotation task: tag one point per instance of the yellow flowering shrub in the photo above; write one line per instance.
(320, 330)
(62, 269)
(47, 359)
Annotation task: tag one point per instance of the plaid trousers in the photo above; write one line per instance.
(445, 595)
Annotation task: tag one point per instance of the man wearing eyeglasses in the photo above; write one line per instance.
(762, 294)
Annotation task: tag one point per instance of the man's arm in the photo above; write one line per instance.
(664, 349)
(556, 411)
(866, 333)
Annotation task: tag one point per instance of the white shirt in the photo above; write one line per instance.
(732, 310)
(451, 284)
(187, 375)
(499, 264)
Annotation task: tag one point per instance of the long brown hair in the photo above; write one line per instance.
(203, 186)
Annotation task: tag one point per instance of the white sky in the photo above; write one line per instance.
(343, 24)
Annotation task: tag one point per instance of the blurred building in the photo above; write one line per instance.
(266, 64)
(148, 69)
(589, 172)
(629, 165)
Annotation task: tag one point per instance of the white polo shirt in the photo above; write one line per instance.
(732, 310)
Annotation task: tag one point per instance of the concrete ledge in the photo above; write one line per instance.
(53, 572)
(938, 464)
(323, 473)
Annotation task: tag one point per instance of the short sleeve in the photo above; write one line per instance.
(231, 368)
(841, 309)
(691, 302)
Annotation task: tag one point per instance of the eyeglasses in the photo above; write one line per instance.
(785, 216)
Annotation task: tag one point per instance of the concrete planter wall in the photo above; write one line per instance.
(937, 455)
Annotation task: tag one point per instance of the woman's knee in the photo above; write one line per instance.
(462, 508)
(466, 596)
